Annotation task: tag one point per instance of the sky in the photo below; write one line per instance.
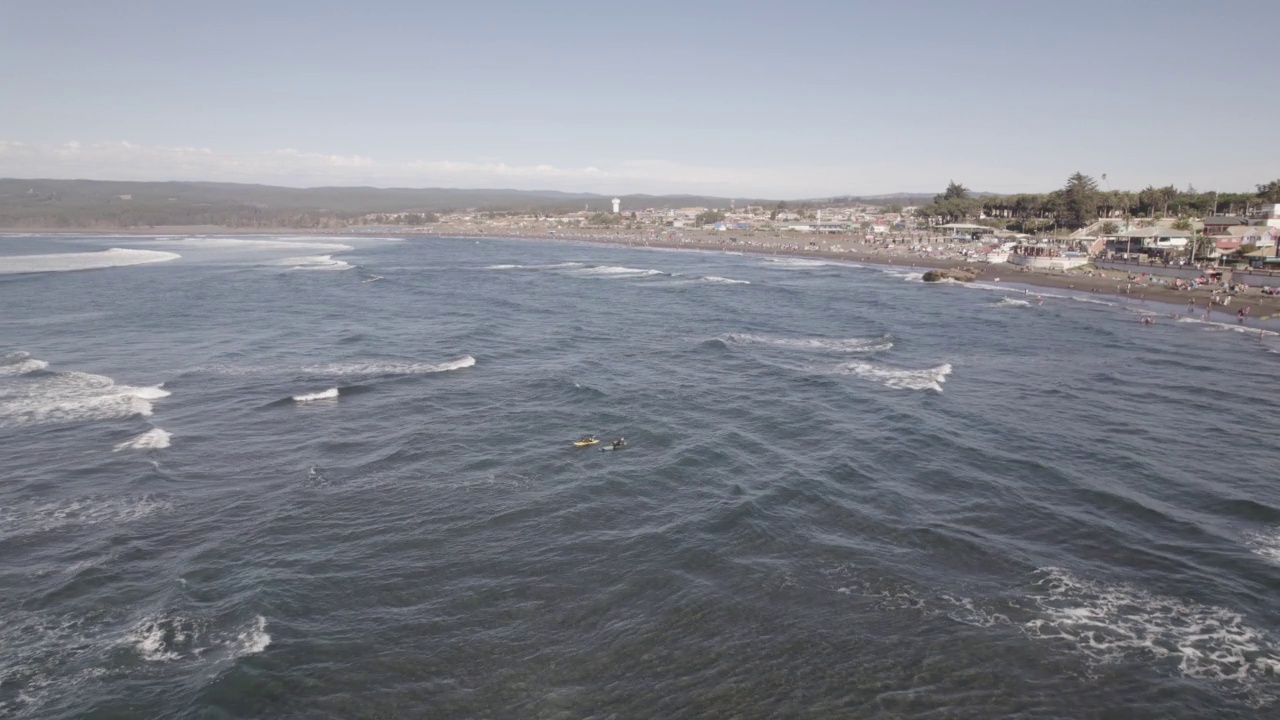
(747, 99)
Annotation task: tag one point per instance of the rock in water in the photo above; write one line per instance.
(959, 275)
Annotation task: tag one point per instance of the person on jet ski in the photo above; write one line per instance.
(619, 443)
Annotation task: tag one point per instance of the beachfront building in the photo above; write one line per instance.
(1148, 240)
(964, 230)
(1046, 257)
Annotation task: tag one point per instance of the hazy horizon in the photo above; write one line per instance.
(815, 101)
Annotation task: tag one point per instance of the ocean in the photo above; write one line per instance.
(289, 477)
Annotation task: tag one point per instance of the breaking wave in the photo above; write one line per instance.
(1266, 544)
(790, 262)
(71, 397)
(167, 639)
(64, 262)
(553, 266)
(1010, 302)
(20, 363)
(725, 281)
(1229, 326)
(843, 345)
(899, 378)
(615, 271)
(153, 439)
(315, 262)
(375, 367)
(329, 394)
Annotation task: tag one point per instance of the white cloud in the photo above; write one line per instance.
(128, 161)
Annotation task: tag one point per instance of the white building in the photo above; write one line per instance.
(617, 205)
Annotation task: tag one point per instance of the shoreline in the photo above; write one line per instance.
(886, 252)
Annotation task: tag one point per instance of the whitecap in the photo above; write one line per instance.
(1266, 544)
(251, 640)
(724, 280)
(153, 439)
(72, 397)
(553, 266)
(790, 262)
(315, 262)
(215, 243)
(843, 345)
(168, 638)
(65, 262)
(1010, 302)
(330, 394)
(615, 271)
(899, 378)
(1116, 622)
(20, 363)
(1209, 324)
(375, 367)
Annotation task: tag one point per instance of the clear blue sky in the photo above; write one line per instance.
(798, 100)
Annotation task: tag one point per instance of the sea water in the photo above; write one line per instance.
(239, 484)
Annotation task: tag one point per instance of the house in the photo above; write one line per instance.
(1217, 224)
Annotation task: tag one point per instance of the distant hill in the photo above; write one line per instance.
(119, 204)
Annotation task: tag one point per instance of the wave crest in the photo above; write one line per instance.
(20, 363)
(842, 345)
(65, 262)
(390, 368)
(72, 397)
(330, 394)
(899, 378)
(153, 439)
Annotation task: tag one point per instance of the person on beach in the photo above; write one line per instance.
(1240, 317)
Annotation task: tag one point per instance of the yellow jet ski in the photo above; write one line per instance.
(586, 441)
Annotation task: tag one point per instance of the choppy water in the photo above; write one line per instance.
(332, 478)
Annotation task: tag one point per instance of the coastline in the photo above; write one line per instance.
(827, 247)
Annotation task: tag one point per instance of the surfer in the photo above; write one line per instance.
(617, 444)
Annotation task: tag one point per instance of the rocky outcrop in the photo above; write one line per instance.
(956, 274)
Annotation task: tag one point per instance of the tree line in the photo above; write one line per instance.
(1081, 202)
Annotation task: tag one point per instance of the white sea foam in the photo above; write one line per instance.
(72, 397)
(215, 243)
(724, 280)
(1266, 543)
(315, 262)
(843, 345)
(1010, 302)
(330, 394)
(252, 639)
(790, 262)
(615, 271)
(554, 266)
(375, 278)
(377, 367)
(153, 439)
(63, 262)
(1117, 622)
(1229, 326)
(20, 363)
(161, 638)
(33, 517)
(899, 378)
(1092, 301)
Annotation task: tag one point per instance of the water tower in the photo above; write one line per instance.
(617, 205)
